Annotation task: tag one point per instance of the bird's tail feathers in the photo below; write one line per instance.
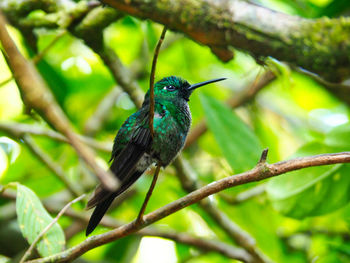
(102, 199)
(99, 196)
(100, 210)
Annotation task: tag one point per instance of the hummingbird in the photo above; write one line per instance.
(135, 149)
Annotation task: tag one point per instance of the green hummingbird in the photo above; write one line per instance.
(135, 149)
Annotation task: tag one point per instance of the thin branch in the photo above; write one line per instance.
(151, 80)
(42, 53)
(99, 117)
(51, 165)
(263, 156)
(239, 99)
(3, 83)
(201, 243)
(48, 227)
(17, 130)
(244, 196)
(149, 193)
(257, 174)
(36, 95)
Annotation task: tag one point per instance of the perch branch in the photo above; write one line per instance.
(203, 244)
(149, 193)
(151, 80)
(260, 172)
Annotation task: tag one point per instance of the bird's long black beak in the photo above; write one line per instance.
(200, 84)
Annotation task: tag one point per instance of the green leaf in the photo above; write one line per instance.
(33, 218)
(183, 251)
(338, 138)
(312, 191)
(238, 143)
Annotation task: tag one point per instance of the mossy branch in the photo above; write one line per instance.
(318, 45)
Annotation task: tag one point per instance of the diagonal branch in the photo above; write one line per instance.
(36, 95)
(51, 165)
(47, 228)
(260, 172)
(97, 120)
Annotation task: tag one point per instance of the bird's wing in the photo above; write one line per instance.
(124, 162)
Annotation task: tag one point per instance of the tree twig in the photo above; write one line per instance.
(263, 156)
(151, 80)
(98, 118)
(17, 130)
(257, 174)
(6, 81)
(47, 228)
(51, 165)
(244, 196)
(149, 193)
(42, 53)
(36, 95)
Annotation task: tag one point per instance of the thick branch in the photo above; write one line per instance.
(90, 29)
(260, 172)
(312, 44)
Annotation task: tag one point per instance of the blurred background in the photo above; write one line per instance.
(302, 216)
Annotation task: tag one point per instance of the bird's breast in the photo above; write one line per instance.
(145, 161)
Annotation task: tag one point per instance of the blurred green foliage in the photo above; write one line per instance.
(304, 216)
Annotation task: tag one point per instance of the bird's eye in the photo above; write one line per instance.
(170, 88)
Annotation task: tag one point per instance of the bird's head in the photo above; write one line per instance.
(172, 87)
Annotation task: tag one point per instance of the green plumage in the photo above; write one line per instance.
(134, 149)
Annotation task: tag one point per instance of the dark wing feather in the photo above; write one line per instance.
(124, 167)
